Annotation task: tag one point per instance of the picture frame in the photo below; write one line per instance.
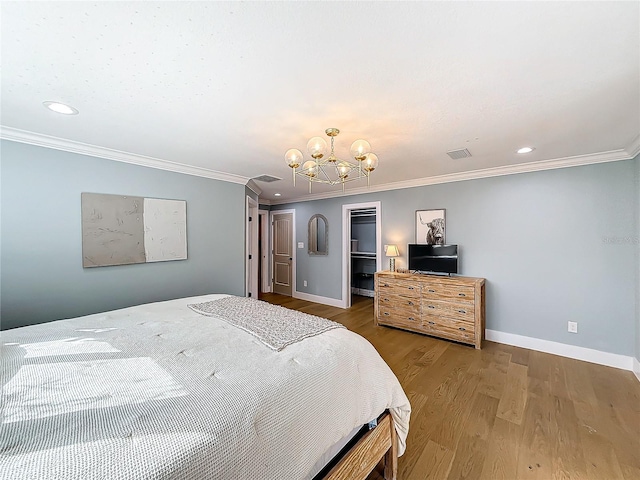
(431, 227)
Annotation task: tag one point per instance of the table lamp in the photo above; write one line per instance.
(392, 251)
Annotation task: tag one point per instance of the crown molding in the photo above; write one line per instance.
(634, 147)
(251, 185)
(23, 136)
(40, 140)
(565, 162)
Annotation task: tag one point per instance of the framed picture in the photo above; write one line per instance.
(430, 227)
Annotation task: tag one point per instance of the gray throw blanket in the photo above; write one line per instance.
(275, 326)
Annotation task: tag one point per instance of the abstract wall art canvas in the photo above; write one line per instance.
(121, 230)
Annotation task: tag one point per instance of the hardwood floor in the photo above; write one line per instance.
(501, 412)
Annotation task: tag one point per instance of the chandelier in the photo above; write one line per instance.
(331, 170)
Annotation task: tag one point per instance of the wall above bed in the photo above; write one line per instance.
(42, 278)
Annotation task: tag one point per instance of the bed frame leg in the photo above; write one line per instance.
(391, 457)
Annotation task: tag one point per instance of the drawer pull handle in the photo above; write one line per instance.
(462, 311)
(432, 291)
(431, 323)
(385, 299)
(462, 295)
(385, 284)
(410, 288)
(462, 328)
(431, 306)
(386, 314)
(409, 303)
(412, 319)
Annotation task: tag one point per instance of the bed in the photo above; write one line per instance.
(167, 390)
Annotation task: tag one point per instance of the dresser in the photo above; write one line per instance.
(446, 307)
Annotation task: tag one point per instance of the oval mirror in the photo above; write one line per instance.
(318, 235)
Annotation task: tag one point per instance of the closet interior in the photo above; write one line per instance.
(363, 251)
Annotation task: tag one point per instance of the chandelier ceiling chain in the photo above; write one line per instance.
(331, 170)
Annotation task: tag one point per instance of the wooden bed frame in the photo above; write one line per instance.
(377, 446)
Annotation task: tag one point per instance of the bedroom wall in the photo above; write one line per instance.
(42, 278)
(547, 242)
(637, 240)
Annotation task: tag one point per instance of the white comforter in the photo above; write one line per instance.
(158, 391)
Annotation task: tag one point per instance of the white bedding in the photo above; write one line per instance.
(158, 392)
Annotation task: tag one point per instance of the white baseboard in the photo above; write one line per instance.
(334, 302)
(636, 368)
(562, 349)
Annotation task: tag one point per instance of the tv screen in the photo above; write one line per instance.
(433, 258)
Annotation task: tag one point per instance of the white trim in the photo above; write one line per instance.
(265, 281)
(251, 185)
(562, 349)
(636, 368)
(56, 143)
(346, 245)
(575, 161)
(633, 148)
(334, 302)
(40, 140)
(294, 246)
(251, 245)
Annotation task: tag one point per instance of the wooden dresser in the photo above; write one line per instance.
(445, 307)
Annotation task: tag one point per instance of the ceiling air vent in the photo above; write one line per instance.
(457, 154)
(266, 178)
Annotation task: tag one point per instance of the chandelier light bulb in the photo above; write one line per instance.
(343, 169)
(310, 168)
(370, 162)
(293, 157)
(317, 147)
(359, 149)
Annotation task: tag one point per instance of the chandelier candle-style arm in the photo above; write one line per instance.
(330, 169)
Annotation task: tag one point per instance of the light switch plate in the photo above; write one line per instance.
(300, 244)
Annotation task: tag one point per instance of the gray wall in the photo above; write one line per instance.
(42, 278)
(637, 240)
(548, 244)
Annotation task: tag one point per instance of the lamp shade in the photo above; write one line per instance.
(392, 251)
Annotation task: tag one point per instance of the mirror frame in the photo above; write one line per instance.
(318, 217)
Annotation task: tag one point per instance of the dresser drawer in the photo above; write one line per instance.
(449, 328)
(390, 300)
(456, 293)
(401, 318)
(460, 311)
(399, 287)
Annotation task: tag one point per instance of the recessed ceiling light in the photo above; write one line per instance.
(60, 108)
(277, 194)
(526, 150)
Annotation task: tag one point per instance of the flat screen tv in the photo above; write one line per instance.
(433, 258)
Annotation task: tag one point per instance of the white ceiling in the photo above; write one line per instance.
(229, 87)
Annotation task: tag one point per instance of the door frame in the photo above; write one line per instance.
(294, 271)
(251, 245)
(265, 281)
(346, 245)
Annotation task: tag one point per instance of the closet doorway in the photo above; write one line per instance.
(361, 248)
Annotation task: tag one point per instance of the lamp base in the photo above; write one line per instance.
(392, 264)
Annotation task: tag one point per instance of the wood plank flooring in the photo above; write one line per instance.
(501, 412)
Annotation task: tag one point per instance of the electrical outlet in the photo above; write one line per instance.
(573, 327)
(305, 283)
